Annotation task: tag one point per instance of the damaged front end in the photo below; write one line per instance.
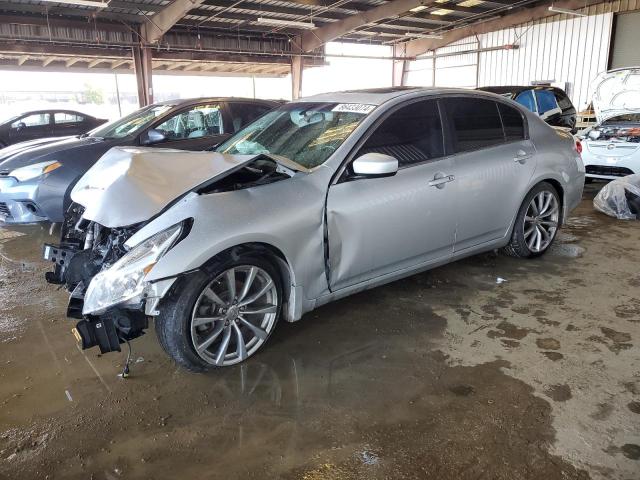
(106, 275)
(106, 279)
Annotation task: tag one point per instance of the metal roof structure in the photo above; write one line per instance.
(79, 34)
(239, 37)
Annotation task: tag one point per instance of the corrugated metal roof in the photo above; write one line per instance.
(243, 14)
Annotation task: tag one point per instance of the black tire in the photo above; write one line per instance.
(518, 247)
(173, 324)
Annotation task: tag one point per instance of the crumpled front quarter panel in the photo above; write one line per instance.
(288, 215)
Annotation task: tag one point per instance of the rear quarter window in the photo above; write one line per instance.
(513, 123)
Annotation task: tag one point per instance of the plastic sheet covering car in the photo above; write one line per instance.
(620, 198)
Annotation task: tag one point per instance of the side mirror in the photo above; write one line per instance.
(375, 165)
(153, 136)
(594, 134)
(21, 126)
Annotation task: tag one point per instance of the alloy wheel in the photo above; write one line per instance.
(541, 221)
(234, 315)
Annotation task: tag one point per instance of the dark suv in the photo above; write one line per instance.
(550, 103)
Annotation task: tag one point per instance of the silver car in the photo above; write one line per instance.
(321, 198)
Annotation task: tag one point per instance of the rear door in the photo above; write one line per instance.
(380, 225)
(199, 127)
(67, 123)
(492, 166)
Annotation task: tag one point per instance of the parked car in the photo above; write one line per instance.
(612, 146)
(319, 199)
(36, 177)
(551, 103)
(46, 123)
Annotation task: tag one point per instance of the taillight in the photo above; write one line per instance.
(579, 147)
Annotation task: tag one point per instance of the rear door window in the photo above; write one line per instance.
(527, 100)
(65, 118)
(242, 114)
(513, 123)
(546, 101)
(474, 123)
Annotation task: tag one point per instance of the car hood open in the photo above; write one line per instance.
(616, 92)
(129, 185)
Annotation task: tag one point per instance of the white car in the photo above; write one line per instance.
(611, 148)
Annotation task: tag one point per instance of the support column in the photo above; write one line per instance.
(399, 67)
(144, 79)
(297, 67)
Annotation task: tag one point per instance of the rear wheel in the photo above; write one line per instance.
(221, 319)
(537, 223)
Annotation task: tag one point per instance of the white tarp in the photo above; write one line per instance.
(620, 198)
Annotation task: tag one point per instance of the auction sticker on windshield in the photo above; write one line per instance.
(362, 108)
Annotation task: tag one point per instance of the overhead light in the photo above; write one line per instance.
(566, 11)
(285, 23)
(419, 8)
(83, 3)
(424, 35)
(441, 11)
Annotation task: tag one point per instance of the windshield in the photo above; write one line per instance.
(132, 123)
(307, 133)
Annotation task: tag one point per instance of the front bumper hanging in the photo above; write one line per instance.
(106, 331)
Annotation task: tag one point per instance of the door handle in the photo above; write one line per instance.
(522, 156)
(440, 182)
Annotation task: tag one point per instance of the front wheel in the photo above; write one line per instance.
(536, 224)
(221, 319)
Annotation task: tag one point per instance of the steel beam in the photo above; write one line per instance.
(297, 69)
(313, 39)
(142, 65)
(166, 18)
(423, 45)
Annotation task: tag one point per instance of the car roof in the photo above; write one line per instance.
(516, 89)
(378, 96)
(178, 102)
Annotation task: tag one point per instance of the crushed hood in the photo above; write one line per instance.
(616, 92)
(129, 185)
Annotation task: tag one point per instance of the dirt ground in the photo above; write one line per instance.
(488, 368)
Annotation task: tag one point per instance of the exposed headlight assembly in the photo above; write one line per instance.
(125, 279)
(29, 172)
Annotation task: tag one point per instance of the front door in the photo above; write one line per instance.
(30, 127)
(493, 165)
(376, 226)
(198, 128)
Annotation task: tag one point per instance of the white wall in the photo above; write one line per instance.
(349, 73)
(570, 51)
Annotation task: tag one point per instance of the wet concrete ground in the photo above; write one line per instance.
(491, 368)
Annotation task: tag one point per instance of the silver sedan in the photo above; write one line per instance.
(321, 198)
